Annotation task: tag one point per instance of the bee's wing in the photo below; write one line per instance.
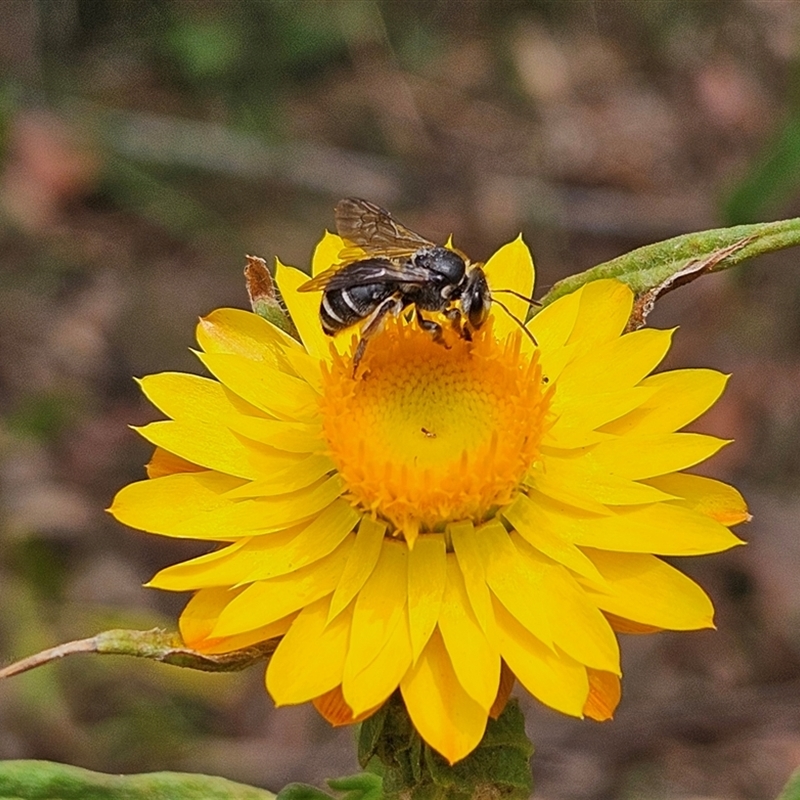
(374, 230)
(363, 273)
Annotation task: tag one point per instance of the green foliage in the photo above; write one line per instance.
(43, 780)
(662, 266)
(364, 786)
(773, 178)
(792, 789)
(499, 766)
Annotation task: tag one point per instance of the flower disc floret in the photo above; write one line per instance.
(431, 432)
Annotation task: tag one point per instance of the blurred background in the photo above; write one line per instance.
(147, 145)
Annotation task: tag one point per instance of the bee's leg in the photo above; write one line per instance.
(434, 328)
(455, 316)
(374, 323)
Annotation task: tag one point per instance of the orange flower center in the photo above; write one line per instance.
(427, 434)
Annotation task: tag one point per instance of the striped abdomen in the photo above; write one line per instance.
(341, 308)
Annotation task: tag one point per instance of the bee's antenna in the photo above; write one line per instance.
(529, 300)
(519, 322)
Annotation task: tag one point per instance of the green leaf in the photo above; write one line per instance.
(302, 791)
(792, 789)
(655, 269)
(44, 780)
(363, 786)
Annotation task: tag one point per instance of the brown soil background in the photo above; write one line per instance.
(145, 147)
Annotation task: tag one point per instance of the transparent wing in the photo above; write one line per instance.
(374, 230)
(363, 273)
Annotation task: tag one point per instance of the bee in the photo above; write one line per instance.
(389, 268)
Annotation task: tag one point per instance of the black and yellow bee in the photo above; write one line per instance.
(391, 269)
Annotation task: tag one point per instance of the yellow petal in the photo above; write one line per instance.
(553, 325)
(268, 389)
(326, 253)
(231, 330)
(664, 528)
(538, 529)
(605, 308)
(612, 366)
(579, 629)
(296, 437)
(379, 607)
(202, 612)
(164, 463)
(165, 502)
(371, 687)
(680, 396)
(644, 589)
(605, 691)
(334, 709)
(571, 476)
(511, 267)
(469, 554)
(638, 457)
(551, 676)
(283, 479)
(363, 558)
(188, 398)
(518, 583)
(304, 310)
(706, 496)
(427, 570)
(207, 444)
(446, 717)
(576, 423)
(263, 557)
(265, 601)
(309, 660)
(475, 662)
(190, 505)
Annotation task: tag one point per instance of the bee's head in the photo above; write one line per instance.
(476, 299)
(444, 264)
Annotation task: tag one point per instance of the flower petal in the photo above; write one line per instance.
(268, 389)
(513, 580)
(263, 557)
(265, 601)
(427, 575)
(605, 691)
(304, 310)
(511, 267)
(384, 673)
(538, 529)
(326, 253)
(639, 457)
(605, 308)
(363, 558)
(475, 662)
(469, 554)
(680, 397)
(664, 528)
(309, 660)
(208, 445)
(706, 496)
(446, 717)
(379, 607)
(551, 676)
(191, 505)
(644, 589)
(231, 330)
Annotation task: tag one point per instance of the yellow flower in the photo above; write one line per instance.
(446, 521)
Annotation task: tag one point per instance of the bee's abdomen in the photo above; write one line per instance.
(341, 308)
